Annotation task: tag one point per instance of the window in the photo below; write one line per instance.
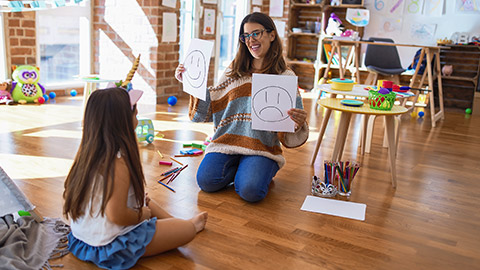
(233, 13)
(3, 57)
(187, 24)
(63, 40)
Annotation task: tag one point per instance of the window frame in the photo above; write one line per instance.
(86, 48)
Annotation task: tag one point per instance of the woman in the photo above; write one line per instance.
(238, 154)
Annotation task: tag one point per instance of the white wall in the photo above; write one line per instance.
(446, 24)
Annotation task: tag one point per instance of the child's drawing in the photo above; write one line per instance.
(414, 7)
(467, 5)
(423, 31)
(433, 7)
(272, 97)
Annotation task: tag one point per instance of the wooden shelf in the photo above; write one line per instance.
(457, 78)
(299, 62)
(290, 33)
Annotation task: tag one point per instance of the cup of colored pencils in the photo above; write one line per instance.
(346, 172)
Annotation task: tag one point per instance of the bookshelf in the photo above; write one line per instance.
(306, 30)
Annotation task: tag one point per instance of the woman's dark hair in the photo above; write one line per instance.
(107, 130)
(274, 63)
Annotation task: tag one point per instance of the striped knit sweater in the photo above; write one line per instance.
(229, 106)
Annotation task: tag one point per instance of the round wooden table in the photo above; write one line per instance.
(348, 111)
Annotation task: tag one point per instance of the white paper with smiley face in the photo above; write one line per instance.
(196, 63)
(272, 97)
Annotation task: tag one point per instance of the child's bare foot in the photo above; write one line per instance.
(199, 221)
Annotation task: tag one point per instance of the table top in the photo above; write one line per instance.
(357, 91)
(334, 104)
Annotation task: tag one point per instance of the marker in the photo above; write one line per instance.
(161, 162)
(177, 173)
(166, 186)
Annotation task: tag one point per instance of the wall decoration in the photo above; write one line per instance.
(423, 31)
(169, 26)
(414, 7)
(467, 5)
(169, 3)
(276, 8)
(433, 7)
(209, 22)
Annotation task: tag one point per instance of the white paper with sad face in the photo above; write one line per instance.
(272, 97)
(196, 63)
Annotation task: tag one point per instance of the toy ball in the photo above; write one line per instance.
(73, 92)
(41, 100)
(468, 111)
(172, 100)
(421, 114)
(45, 97)
(52, 95)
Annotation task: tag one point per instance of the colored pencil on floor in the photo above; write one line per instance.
(166, 186)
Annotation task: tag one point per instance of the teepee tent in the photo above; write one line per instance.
(13, 199)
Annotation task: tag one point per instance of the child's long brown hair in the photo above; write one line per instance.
(274, 63)
(107, 129)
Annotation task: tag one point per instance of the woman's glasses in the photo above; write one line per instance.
(256, 35)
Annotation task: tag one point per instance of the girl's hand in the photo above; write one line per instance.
(178, 72)
(146, 213)
(298, 116)
(147, 199)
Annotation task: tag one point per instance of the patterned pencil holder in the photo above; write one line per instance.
(380, 101)
(320, 188)
(338, 179)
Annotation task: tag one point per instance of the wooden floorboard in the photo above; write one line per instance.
(430, 221)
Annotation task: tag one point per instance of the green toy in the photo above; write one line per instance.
(24, 213)
(468, 111)
(25, 86)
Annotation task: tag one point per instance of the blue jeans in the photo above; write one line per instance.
(251, 175)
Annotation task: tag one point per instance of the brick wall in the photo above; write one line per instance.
(21, 41)
(125, 29)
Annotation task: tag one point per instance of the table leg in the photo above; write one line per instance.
(341, 135)
(430, 86)
(439, 82)
(392, 149)
(320, 135)
(363, 135)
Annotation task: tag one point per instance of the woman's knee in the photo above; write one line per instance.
(251, 193)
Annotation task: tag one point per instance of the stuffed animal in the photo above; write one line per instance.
(25, 86)
(335, 3)
(334, 27)
(5, 96)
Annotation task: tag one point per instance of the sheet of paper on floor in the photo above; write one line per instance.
(334, 207)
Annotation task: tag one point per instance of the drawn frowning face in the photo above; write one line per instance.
(267, 104)
(195, 68)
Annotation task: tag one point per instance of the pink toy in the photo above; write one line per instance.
(5, 96)
(447, 70)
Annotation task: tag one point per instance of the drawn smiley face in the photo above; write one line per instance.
(270, 102)
(195, 68)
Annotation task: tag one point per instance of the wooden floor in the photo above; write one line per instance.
(431, 221)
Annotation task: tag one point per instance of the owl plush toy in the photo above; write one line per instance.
(25, 86)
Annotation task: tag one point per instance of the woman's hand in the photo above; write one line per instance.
(178, 72)
(298, 116)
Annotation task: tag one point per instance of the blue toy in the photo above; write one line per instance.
(45, 97)
(73, 92)
(421, 114)
(25, 86)
(52, 95)
(172, 100)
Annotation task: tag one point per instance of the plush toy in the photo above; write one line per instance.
(5, 96)
(25, 86)
(334, 27)
(335, 3)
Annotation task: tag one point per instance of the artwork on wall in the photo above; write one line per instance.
(414, 7)
(423, 31)
(467, 6)
(433, 7)
(389, 26)
(209, 22)
(276, 8)
(395, 8)
(169, 27)
(169, 3)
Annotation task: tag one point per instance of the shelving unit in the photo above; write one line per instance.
(305, 50)
(459, 88)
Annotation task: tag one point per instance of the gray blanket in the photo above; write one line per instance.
(28, 244)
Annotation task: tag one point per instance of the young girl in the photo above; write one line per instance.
(238, 154)
(113, 221)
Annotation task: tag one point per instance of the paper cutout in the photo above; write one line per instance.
(196, 63)
(272, 97)
(209, 22)
(358, 17)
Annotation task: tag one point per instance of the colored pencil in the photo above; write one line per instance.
(177, 173)
(166, 186)
(176, 160)
(159, 153)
